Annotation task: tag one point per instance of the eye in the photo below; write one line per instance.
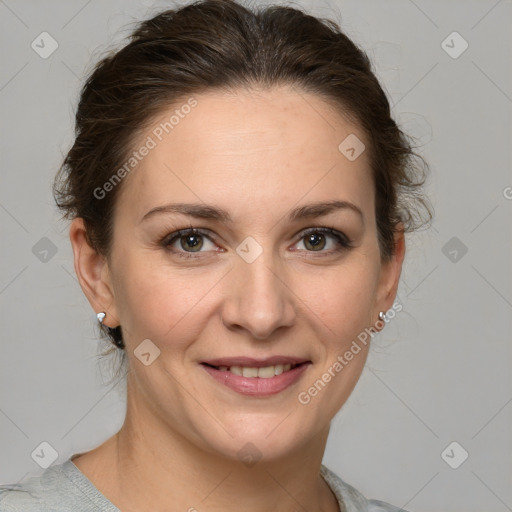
(315, 240)
(188, 241)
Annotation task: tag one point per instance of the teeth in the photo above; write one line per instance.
(266, 372)
(237, 370)
(250, 372)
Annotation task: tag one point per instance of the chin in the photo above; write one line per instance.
(257, 436)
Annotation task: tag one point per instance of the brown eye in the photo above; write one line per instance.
(186, 242)
(194, 241)
(316, 239)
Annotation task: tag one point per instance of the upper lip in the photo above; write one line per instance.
(250, 362)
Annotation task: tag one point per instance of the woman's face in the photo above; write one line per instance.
(253, 283)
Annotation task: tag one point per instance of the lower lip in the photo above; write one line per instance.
(256, 386)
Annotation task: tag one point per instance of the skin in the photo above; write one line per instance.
(257, 154)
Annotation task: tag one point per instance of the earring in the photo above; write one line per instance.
(101, 316)
(382, 316)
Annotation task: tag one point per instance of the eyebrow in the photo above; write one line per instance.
(204, 211)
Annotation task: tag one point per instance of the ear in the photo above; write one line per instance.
(390, 274)
(93, 274)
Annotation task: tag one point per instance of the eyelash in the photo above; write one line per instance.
(168, 240)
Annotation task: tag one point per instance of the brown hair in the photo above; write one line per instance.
(220, 44)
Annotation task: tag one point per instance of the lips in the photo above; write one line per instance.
(257, 377)
(250, 362)
(256, 386)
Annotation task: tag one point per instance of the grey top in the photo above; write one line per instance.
(64, 488)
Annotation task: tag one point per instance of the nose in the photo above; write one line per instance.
(258, 298)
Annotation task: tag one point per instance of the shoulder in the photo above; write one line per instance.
(27, 496)
(352, 499)
(60, 488)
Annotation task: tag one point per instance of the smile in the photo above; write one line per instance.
(263, 373)
(257, 381)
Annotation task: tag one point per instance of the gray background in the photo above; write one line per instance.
(438, 373)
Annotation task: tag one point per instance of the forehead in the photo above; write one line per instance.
(248, 148)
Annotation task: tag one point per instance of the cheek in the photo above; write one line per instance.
(341, 299)
(161, 303)
(341, 311)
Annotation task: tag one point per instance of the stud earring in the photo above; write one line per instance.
(382, 316)
(101, 316)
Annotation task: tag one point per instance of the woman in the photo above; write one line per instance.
(239, 196)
